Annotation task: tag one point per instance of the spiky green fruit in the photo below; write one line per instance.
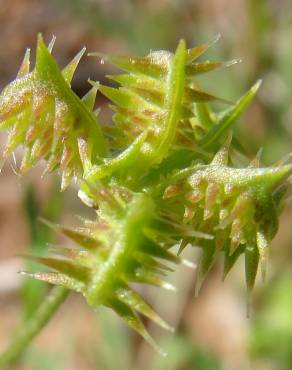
(43, 115)
(111, 252)
(159, 111)
(148, 188)
(238, 206)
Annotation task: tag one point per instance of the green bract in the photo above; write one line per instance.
(158, 175)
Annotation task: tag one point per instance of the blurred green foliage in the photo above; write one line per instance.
(34, 291)
(182, 353)
(271, 330)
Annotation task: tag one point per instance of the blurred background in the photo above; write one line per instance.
(213, 332)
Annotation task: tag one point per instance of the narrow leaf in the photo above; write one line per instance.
(229, 117)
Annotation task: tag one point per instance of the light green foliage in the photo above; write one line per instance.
(158, 175)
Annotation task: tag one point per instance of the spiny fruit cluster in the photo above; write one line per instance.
(43, 115)
(239, 205)
(158, 176)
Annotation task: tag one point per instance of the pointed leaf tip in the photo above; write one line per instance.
(90, 97)
(41, 46)
(52, 43)
(40, 38)
(64, 266)
(24, 68)
(252, 257)
(26, 273)
(256, 86)
(132, 299)
(195, 52)
(255, 162)
(69, 70)
(182, 43)
(133, 320)
(194, 69)
(229, 117)
(221, 157)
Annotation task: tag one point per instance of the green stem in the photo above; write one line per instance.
(33, 326)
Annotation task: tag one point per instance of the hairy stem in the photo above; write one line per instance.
(33, 326)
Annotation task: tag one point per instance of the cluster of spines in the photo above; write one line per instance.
(159, 110)
(118, 248)
(43, 114)
(46, 118)
(236, 205)
(144, 98)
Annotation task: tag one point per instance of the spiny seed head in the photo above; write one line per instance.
(45, 117)
(111, 252)
(161, 182)
(160, 114)
(246, 224)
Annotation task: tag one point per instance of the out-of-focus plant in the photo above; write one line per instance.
(182, 353)
(161, 174)
(33, 291)
(271, 330)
